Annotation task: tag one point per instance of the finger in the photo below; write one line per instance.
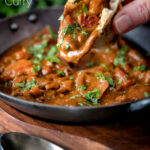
(132, 15)
(127, 1)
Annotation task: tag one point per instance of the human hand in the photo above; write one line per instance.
(132, 15)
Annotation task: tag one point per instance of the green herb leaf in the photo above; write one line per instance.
(84, 32)
(107, 50)
(121, 55)
(75, 96)
(100, 76)
(140, 68)
(30, 84)
(80, 73)
(26, 86)
(60, 42)
(52, 35)
(35, 61)
(120, 80)
(54, 59)
(21, 85)
(84, 8)
(38, 50)
(36, 68)
(80, 104)
(67, 46)
(105, 66)
(51, 56)
(146, 94)
(72, 78)
(92, 96)
(61, 18)
(82, 87)
(110, 81)
(61, 73)
(66, 29)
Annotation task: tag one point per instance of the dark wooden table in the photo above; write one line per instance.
(127, 134)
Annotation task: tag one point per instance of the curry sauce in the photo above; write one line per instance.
(33, 70)
(78, 28)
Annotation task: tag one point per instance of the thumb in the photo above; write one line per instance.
(132, 15)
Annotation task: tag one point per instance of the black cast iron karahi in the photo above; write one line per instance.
(18, 28)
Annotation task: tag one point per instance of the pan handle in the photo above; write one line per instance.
(139, 105)
(0, 142)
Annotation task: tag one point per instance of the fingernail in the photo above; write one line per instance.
(123, 24)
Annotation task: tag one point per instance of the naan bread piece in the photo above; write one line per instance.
(82, 22)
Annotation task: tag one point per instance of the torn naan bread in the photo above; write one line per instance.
(82, 22)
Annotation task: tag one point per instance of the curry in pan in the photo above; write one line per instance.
(34, 70)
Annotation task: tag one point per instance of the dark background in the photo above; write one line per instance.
(6, 11)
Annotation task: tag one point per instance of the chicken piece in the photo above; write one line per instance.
(21, 54)
(86, 78)
(122, 78)
(16, 69)
(65, 86)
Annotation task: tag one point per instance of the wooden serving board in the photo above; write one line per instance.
(123, 135)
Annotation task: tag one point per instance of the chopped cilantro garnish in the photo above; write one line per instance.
(21, 85)
(38, 50)
(100, 76)
(107, 50)
(52, 35)
(36, 68)
(51, 56)
(61, 18)
(26, 86)
(52, 52)
(109, 79)
(105, 66)
(146, 94)
(61, 73)
(72, 28)
(65, 30)
(36, 61)
(30, 84)
(71, 78)
(120, 80)
(74, 35)
(60, 42)
(121, 55)
(33, 70)
(67, 46)
(80, 73)
(92, 96)
(54, 59)
(82, 87)
(84, 8)
(84, 32)
(80, 104)
(75, 96)
(140, 68)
